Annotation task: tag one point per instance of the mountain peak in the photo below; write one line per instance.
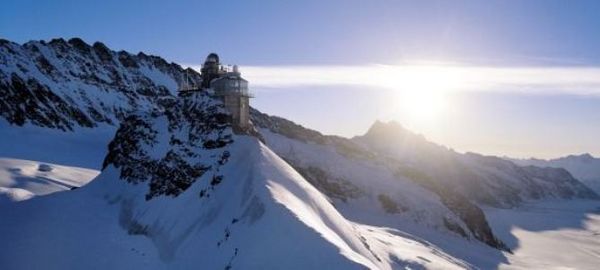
(584, 156)
(379, 128)
(391, 132)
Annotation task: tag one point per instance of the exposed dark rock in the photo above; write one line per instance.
(73, 70)
(389, 205)
(44, 65)
(44, 168)
(127, 60)
(285, 127)
(32, 101)
(294, 131)
(469, 213)
(330, 186)
(103, 53)
(452, 226)
(80, 45)
(58, 42)
(180, 167)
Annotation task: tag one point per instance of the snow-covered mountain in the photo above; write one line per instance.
(178, 189)
(52, 87)
(584, 167)
(390, 175)
(63, 84)
(485, 179)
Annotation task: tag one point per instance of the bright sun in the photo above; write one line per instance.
(421, 91)
(421, 105)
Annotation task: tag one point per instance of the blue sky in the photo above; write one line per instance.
(514, 118)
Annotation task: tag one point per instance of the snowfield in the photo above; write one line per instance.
(83, 147)
(22, 179)
(550, 235)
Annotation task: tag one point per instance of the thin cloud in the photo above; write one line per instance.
(450, 78)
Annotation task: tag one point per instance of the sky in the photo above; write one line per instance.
(509, 78)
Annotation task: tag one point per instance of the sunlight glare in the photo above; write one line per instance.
(421, 91)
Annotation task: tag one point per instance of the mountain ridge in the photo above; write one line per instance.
(584, 167)
(167, 198)
(380, 181)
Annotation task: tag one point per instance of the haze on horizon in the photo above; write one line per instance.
(516, 79)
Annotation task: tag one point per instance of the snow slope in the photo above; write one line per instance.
(247, 209)
(281, 222)
(393, 178)
(358, 188)
(23, 179)
(83, 147)
(392, 172)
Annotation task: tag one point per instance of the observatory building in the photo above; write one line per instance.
(228, 85)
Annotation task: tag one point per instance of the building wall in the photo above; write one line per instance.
(239, 108)
(244, 111)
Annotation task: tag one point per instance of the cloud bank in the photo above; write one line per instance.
(442, 77)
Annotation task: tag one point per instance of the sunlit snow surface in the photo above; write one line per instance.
(550, 235)
(263, 216)
(22, 179)
(83, 147)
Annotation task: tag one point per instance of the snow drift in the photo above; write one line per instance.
(23, 179)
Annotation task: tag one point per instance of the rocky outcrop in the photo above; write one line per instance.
(196, 122)
(67, 84)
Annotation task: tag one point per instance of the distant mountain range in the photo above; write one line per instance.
(179, 189)
(584, 167)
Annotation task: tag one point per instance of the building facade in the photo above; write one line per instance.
(230, 87)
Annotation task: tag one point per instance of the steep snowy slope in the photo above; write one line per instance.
(585, 167)
(179, 190)
(23, 179)
(391, 175)
(366, 188)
